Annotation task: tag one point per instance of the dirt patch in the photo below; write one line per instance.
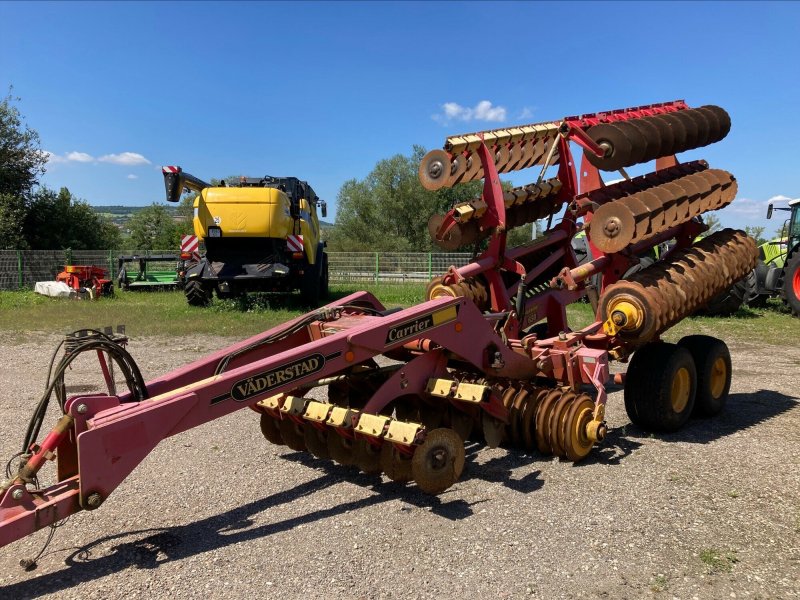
(217, 512)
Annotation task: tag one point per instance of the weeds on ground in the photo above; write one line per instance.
(659, 583)
(718, 562)
(733, 494)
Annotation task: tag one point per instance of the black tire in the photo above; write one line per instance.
(196, 293)
(712, 360)
(755, 299)
(652, 400)
(644, 262)
(728, 302)
(324, 291)
(310, 286)
(791, 283)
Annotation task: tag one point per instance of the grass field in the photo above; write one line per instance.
(166, 313)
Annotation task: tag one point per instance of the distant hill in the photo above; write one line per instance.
(119, 215)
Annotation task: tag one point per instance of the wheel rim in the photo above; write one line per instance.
(681, 387)
(796, 283)
(719, 375)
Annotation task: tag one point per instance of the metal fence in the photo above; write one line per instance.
(20, 269)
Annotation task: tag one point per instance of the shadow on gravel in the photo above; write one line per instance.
(149, 548)
(742, 411)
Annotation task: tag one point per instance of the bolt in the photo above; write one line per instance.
(619, 318)
(562, 335)
(435, 169)
(94, 501)
(82, 408)
(612, 227)
(17, 494)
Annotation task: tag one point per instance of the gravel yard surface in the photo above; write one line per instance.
(217, 512)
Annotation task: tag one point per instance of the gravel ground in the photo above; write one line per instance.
(217, 512)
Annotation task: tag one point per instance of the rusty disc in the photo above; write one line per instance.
(714, 198)
(577, 444)
(435, 169)
(493, 430)
(665, 136)
(458, 170)
(340, 449)
(723, 118)
(714, 128)
(678, 132)
(271, 430)
(612, 227)
(515, 151)
(474, 167)
(692, 131)
(617, 147)
(528, 417)
(366, 457)
(316, 441)
(439, 461)
(461, 422)
(636, 294)
(396, 465)
(451, 241)
(679, 198)
(292, 434)
(659, 216)
(639, 144)
(695, 194)
(556, 419)
(515, 416)
(543, 418)
(703, 127)
(501, 157)
(655, 209)
(641, 215)
(651, 136)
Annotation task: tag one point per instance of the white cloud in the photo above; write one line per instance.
(52, 158)
(482, 111)
(125, 158)
(79, 157)
(132, 176)
(525, 113)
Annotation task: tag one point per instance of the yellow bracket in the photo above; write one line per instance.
(273, 402)
(317, 411)
(404, 433)
(442, 388)
(341, 417)
(372, 425)
(471, 392)
(294, 405)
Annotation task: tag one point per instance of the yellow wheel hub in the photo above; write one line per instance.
(719, 376)
(681, 386)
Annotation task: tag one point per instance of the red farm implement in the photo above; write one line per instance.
(86, 278)
(490, 353)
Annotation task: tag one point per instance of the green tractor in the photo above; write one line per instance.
(778, 270)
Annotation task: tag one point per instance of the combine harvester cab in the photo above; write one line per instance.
(489, 353)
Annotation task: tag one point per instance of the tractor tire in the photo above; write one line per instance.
(755, 299)
(660, 387)
(311, 286)
(196, 293)
(728, 302)
(712, 360)
(791, 283)
(324, 291)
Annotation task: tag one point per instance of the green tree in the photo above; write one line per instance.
(757, 233)
(713, 222)
(60, 220)
(389, 209)
(153, 228)
(21, 164)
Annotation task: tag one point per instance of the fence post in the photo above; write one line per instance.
(430, 265)
(377, 267)
(111, 265)
(19, 268)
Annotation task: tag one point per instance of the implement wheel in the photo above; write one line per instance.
(713, 363)
(196, 293)
(438, 462)
(395, 465)
(660, 387)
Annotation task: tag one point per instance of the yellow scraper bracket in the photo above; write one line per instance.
(372, 425)
(472, 392)
(341, 417)
(294, 405)
(317, 411)
(273, 402)
(440, 387)
(404, 433)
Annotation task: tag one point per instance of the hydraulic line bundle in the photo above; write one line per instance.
(489, 355)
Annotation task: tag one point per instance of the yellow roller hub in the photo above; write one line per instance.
(624, 314)
(719, 375)
(681, 387)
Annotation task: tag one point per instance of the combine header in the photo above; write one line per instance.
(489, 353)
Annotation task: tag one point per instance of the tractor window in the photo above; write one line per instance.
(794, 224)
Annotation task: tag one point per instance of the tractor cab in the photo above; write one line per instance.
(792, 224)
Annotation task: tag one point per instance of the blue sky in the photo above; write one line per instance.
(324, 90)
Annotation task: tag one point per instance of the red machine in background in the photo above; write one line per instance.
(87, 278)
